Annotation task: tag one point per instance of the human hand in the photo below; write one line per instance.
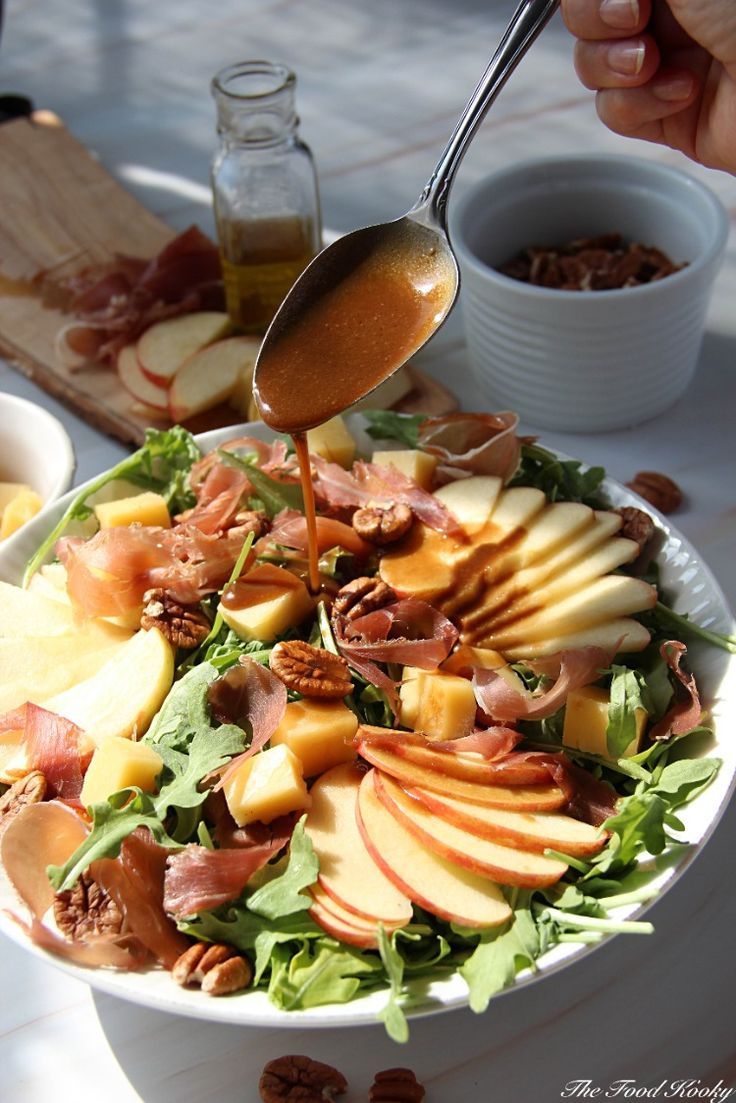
(664, 71)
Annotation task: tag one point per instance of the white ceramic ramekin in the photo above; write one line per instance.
(34, 448)
(585, 361)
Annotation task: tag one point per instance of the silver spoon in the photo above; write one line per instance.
(348, 322)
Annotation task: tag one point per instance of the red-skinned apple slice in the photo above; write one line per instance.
(139, 385)
(524, 830)
(503, 864)
(364, 937)
(438, 886)
(163, 347)
(517, 798)
(210, 376)
(462, 765)
(347, 872)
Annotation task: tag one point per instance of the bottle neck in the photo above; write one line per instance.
(255, 104)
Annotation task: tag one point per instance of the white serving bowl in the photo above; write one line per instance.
(34, 448)
(585, 361)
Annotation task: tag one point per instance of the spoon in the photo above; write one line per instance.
(369, 301)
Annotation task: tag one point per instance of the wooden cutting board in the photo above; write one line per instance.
(60, 212)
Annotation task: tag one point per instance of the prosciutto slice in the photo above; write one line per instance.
(135, 881)
(685, 713)
(52, 746)
(290, 529)
(492, 744)
(113, 303)
(251, 696)
(198, 879)
(409, 632)
(472, 444)
(572, 669)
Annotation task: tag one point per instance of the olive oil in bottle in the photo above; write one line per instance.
(265, 191)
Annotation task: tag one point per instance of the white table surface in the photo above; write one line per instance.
(380, 85)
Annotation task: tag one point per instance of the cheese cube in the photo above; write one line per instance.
(119, 763)
(419, 466)
(267, 785)
(319, 733)
(441, 706)
(586, 720)
(266, 601)
(333, 442)
(24, 505)
(145, 509)
(465, 658)
(409, 696)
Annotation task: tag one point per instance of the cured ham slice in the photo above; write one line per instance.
(251, 696)
(685, 713)
(574, 668)
(472, 444)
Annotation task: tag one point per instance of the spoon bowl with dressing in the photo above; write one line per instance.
(373, 298)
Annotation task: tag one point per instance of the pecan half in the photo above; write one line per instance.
(362, 596)
(298, 1079)
(217, 969)
(658, 489)
(251, 520)
(636, 525)
(87, 911)
(396, 1086)
(182, 625)
(29, 789)
(311, 671)
(383, 524)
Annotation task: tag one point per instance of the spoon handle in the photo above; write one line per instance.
(528, 20)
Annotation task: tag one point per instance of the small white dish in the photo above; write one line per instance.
(694, 592)
(585, 361)
(35, 449)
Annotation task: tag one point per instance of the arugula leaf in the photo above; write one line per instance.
(497, 958)
(625, 699)
(321, 972)
(284, 896)
(112, 821)
(208, 750)
(162, 464)
(561, 480)
(184, 711)
(274, 495)
(388, 425)
(251, 933)
(392, 1014)
(688, 628)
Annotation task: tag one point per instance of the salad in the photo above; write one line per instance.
(462, 752)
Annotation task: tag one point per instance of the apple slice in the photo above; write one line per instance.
(458, 764)
(124, 694)
(210, 376)
(152, 395)
(524, 830)
(517, 798)
(471, 500)
(164, 347)
(347, 872)
(619, 635)
(504, 864)
(432, 882)
(341, 923)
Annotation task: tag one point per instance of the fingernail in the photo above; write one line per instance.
(672, 89)
(626, 58)
(621, 14)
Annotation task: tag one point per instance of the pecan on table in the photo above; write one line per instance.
(183, 625)
(658, 489)
(636, 525)
(298, 1079)
(29, 789)
(362, 596)
(87, 910)
(311, 671)
(396, 1086)
(217, 969)
(382, 525)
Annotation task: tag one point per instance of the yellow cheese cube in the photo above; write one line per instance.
(265, 602)
(333, 442)
(319, 734)
(19, 509)
(409, 696)
(586, 720)
(419, 466)
(441, 706)
(120, 764)
(144, 509)
(268, 785)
